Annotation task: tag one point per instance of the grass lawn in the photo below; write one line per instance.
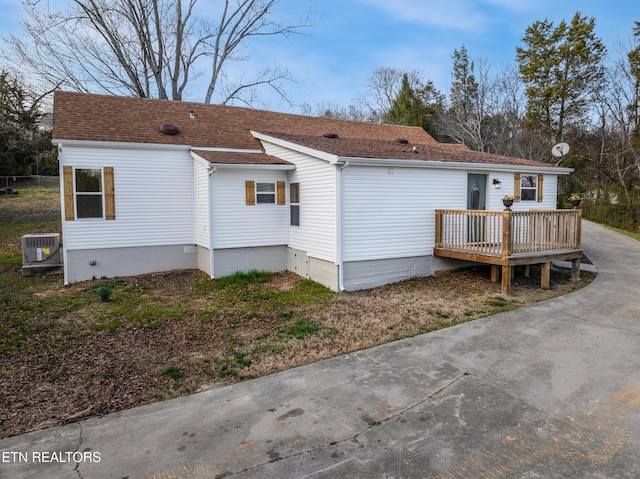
(106, 345)
(630, 234)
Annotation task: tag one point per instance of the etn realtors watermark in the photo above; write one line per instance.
(21, 457)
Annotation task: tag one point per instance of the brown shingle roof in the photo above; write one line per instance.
(359, 148)
(235, 158)
(80, 116)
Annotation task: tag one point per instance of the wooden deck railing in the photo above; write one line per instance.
(507, 233)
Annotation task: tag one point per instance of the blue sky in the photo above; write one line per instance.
(349, 39)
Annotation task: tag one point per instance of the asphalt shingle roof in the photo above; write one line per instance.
(383, 149)
(80, 116)
(237, 158)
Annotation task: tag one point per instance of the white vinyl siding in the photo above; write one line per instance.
(549, 192)
(390, 212)
(238, 225)
(316, 234)
(201, 203)
(153, 199)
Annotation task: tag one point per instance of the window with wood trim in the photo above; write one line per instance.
(528, 187)
(89, 193)
(265, 193)
(294, 204)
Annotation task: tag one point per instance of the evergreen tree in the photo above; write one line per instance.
(464, 88)
(415, 105)
(23, 146)
(561, 66)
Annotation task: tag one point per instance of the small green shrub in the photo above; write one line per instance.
(105, 293)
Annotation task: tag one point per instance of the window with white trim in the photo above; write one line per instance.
(266, 193)
(294, 204)
(528, 187)
(88, 193)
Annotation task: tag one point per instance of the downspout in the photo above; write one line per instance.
(339, 227)
(65, 263)
(211, 170)
(193, 206)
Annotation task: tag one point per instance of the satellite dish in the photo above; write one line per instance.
(560, 150)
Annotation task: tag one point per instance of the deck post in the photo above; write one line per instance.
(545, 277)
(506, 279)
(438, 229)
(506, 234)
(506, 251)
(495, 273)
(575, 270)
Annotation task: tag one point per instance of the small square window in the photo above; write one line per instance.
(265, 193)
(528, 187)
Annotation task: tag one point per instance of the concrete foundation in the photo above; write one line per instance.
(113, 262)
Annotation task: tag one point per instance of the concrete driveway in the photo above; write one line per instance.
(547, 391)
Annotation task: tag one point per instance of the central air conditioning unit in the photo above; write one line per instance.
(41, 254)
(37, 248)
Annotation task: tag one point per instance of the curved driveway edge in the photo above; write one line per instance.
(551, 390)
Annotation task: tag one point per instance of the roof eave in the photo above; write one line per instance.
(322, 155)
(252, 166)
(119, 144)
(242, 166)
(453, 165)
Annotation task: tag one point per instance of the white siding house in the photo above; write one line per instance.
(183, 185)
(154, 225)
(247, 236)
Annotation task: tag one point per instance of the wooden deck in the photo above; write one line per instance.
(506, 239)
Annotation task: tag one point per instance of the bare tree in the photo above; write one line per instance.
(148, 48)
(616, 103)
(491, 116)
(332, 110)
(469, 108)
